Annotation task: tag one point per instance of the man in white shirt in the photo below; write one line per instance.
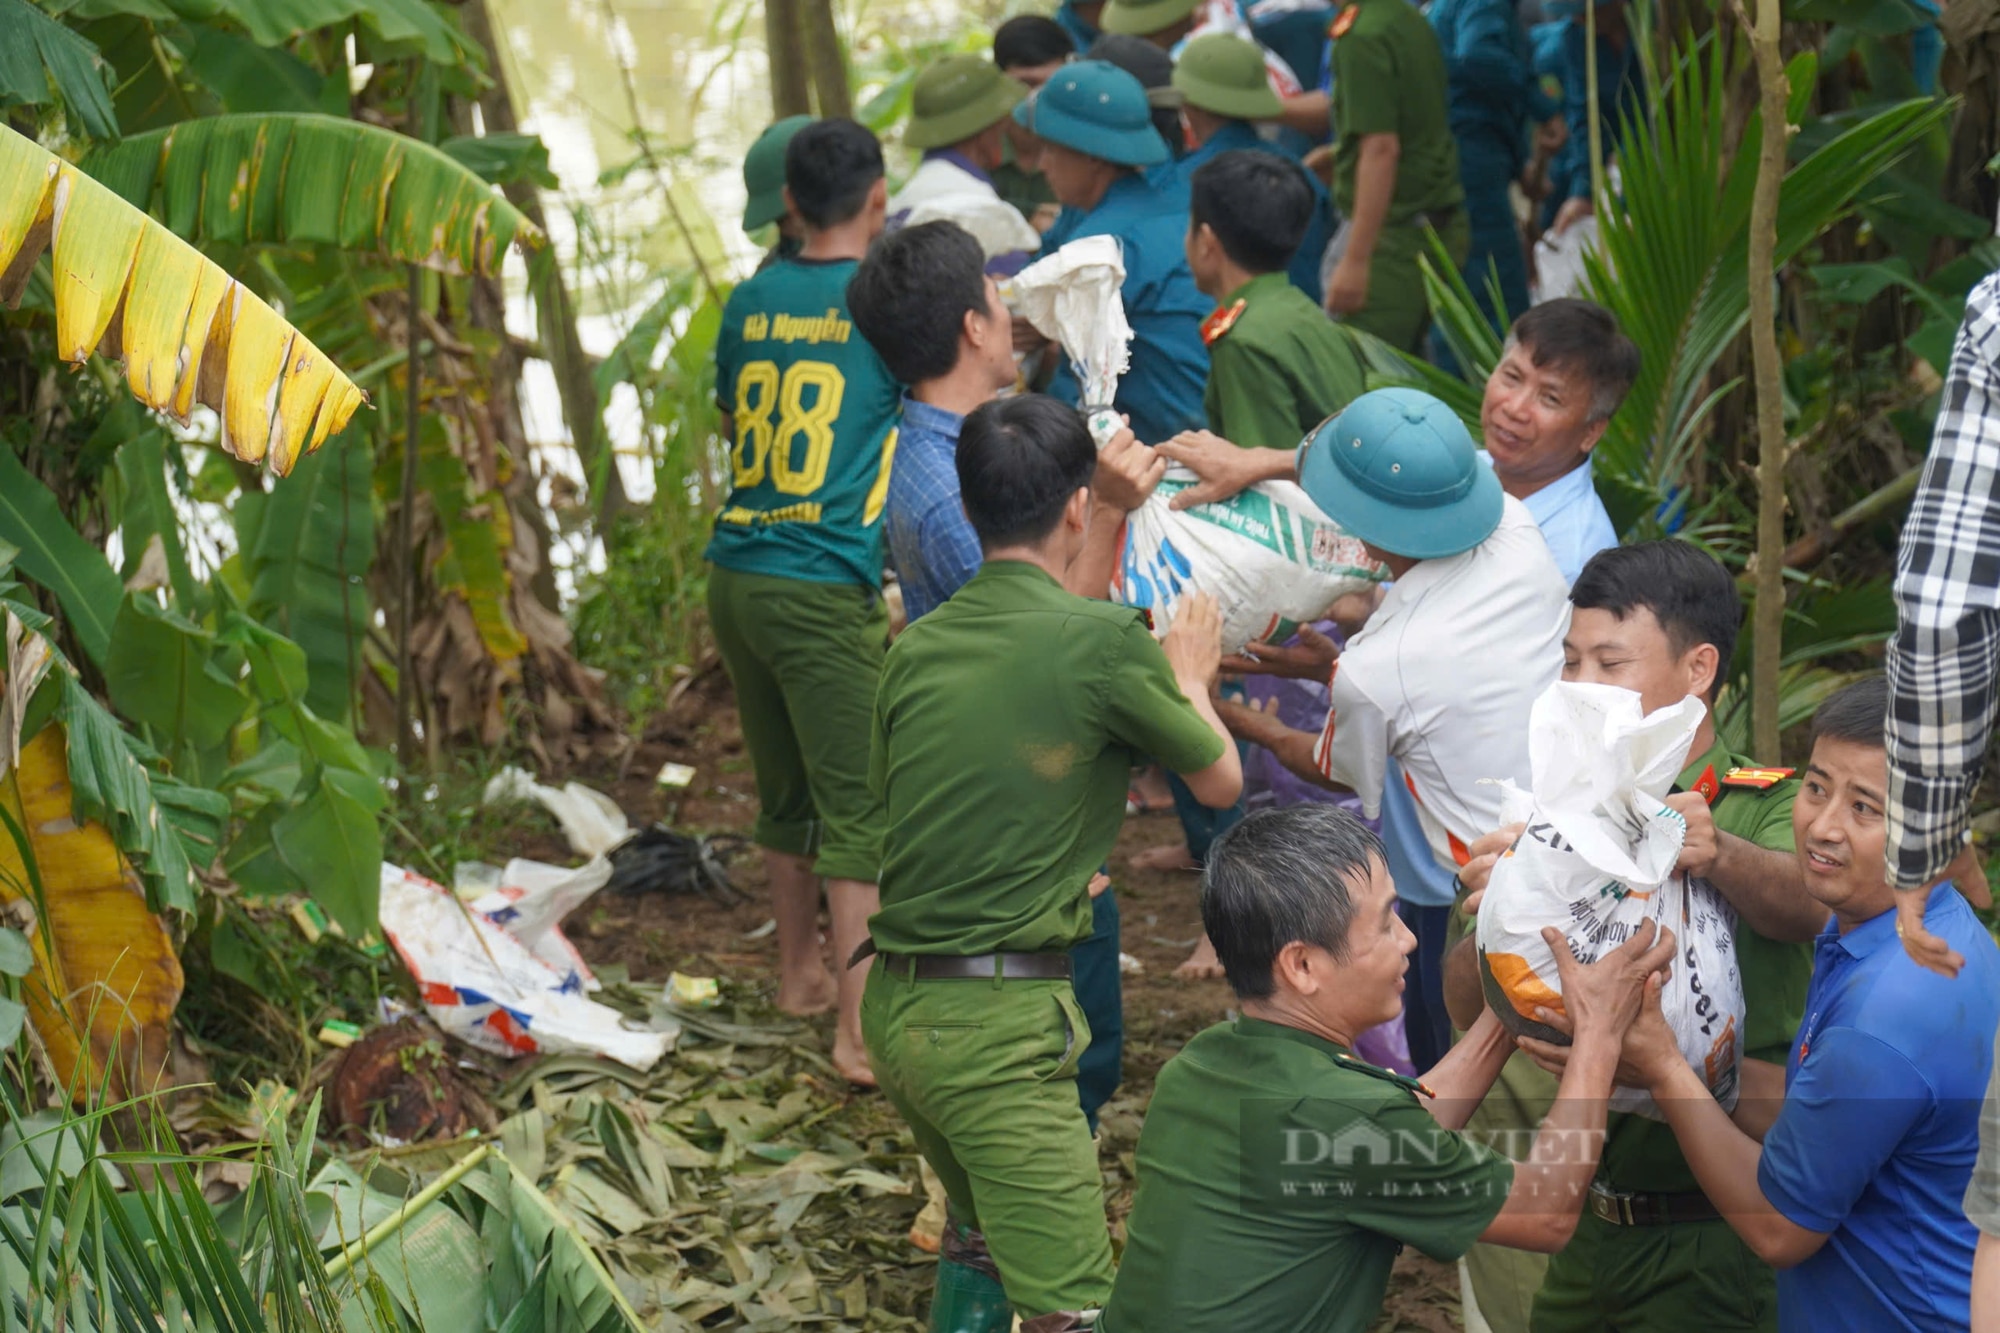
(960, 108)
(1442, 676)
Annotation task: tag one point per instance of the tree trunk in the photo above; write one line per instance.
(1768, 626)
(555, 313)
(785, 40)
(827, 59)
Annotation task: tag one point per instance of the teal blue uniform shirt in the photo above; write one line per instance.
(1161, 392)
(813, 415)
(1304, 271)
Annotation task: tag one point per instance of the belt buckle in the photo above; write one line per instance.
(1613, 1206)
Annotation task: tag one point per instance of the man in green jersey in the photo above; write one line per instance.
(1652, 1252)
(1278, 1174)
(1006, 727)
(794, 592)
(1395, 168)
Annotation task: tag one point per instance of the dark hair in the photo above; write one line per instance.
(1019, 462)
(1859, 713)
(1030, 39)
(1280, 876)
(1257, 204)
(1687, 590)
(1583, 337)
(910, 296)
(830, 166)
(1154, 69)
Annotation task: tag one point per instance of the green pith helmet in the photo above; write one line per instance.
(1398, 469)
(1224, 75)
(1138, 18)
(764, 173)
(957, 97)
(1095, 108)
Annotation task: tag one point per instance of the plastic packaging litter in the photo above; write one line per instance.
(591, 821)
(1596, 860)
(499, 975)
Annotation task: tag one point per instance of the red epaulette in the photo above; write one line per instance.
(1762, 779)
(1220, 321)
(1343, 21)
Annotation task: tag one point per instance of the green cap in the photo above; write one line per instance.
(1398, 469)
(957, 97)
(1137, 18)
(764, 173)
(1095, 107)
(1224, 74)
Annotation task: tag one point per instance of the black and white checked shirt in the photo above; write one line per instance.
(1944, 663)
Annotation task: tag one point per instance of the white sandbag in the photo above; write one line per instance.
(530, 902)
(485, 987)
(1596, 860)
(1268, 556)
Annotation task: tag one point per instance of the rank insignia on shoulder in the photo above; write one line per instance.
(1343, 21)
(1386, 1075)
(1220, 321)
(1762, 779)
(1707, 786)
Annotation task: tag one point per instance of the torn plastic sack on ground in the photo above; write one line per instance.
(591, 821)
(499, 974)
(1268, 556)
(1596, 860)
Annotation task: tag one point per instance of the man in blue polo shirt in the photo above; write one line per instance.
(1097, 133)
(1854, 1193)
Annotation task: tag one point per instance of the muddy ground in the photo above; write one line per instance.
(654, 935)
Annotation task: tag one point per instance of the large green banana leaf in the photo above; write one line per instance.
(313, 178)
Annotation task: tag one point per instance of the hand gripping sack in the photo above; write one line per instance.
(1268, 556)
(1596, 860)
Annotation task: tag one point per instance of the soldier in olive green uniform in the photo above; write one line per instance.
(1279, 1175)
(1006, 725)
(1652, 1253)
(1277, 365)
(1395, 168)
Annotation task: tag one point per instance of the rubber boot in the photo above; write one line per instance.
(968, 1301)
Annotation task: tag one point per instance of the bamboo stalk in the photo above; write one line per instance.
(416, 1203)
(1768, 623)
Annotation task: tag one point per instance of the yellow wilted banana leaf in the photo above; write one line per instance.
(128, 287)
(106, 979)
(326, 180)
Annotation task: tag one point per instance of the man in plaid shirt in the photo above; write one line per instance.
(1944, 682)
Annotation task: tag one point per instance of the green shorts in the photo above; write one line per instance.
(805, 659)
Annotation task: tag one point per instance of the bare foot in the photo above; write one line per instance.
(1201, 965)
(1174, 856)
(812, 994)
(850, 1060)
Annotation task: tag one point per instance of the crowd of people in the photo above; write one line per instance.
(911, 587)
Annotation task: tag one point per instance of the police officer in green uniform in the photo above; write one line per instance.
(764, 188)
(1277, 365)
(1007, 722)
(794, 592)
(1277, 1174)
(1652, 1253)
(1395, 168)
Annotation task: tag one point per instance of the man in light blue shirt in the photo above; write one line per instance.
(1564, 370)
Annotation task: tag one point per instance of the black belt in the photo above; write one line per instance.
(1623, 1209)
(978, 966)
